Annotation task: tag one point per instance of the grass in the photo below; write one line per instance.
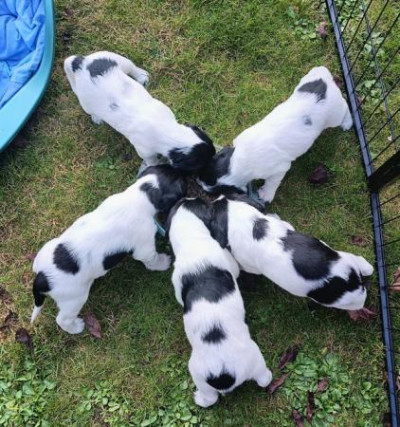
(222, 65)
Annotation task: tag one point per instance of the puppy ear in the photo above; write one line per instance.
(219, 222)
(171, 214)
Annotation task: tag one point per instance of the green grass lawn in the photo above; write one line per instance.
(222, 65)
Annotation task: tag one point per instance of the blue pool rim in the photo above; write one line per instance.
(20, 107)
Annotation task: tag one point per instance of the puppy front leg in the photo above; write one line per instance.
(176, 281)
(271, 184)
(67, 318)
(152, 260)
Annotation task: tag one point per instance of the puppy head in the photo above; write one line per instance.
(171, 187)
(192, 159)
(218, 167)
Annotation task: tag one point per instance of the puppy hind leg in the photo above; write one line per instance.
(152, 260)
(205, 398)
(96, 119)
(347, 122)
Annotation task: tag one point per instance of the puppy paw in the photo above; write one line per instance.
(264, 195)
(163, 262)
(347, 122)
(143, 77)
(264, 379)
(203, 400)
(96, 120)
(74, 327)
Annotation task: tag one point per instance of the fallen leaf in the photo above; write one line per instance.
(298, 418)
(363, 314)
(319, 175)
(69, 12)
(322, 30)
(289, 356)
(127, 156)
(387, 420)
(30, 256)
(358, 241)
(338, 80)
(310, 406)
(397, 383)
(66, 37)
(397, 275)
(22, 336)
(5, 295)
(322, 385)
(277, 383)
(9, 320)
(93, 325)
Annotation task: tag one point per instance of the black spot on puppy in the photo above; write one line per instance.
(218, 167)
(65, 260)
(77, 62)
(307, 120)
(334, 288)
(215, 335)
(114, 106)
(223, 381)
(219, 222)
(310, 257)
(260, 228)
(98, 67)
(40, 287)
(111, 260)
(316, 87)
(171, 187)
(194, 159)
(211, 284)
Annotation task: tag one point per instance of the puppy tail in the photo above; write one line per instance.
(39, 290)
(125, 64)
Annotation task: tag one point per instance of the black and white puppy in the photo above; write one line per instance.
(123, 224)
(204, 278)
(267, 149)
(298, 263)
(110, 88)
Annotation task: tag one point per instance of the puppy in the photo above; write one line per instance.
(267, 149)
(104, 87)
(298, 263)
(204, 278)
(123, 224)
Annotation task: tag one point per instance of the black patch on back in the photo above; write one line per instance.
(40, 287)
(65, 260)
(260, 228)
(194, 160)
(114, 106)
(210, 283)
(171, 187)
(98, 67)
(223, 381)
(218, 166)
(310, 257)
(111, 260)
(307, 120)
(77, 62)
(245, 199)
(215, 335)
(219, 222)
(316, 87)
(335, 287)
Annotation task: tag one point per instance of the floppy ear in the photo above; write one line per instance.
(171, 214)
(219, 222)
(243, 198)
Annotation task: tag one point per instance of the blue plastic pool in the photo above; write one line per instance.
(19, 108)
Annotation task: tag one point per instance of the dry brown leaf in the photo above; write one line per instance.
(322, 30)
(319, 175)
(277, 383)
(358, 241)
(310, 406)
(5, 296)
(322, 385)
(289, 356)
(93, 325)
(298, 418)
(30, 256)
(363, 314)
(9, 320)
(22, 336)
(338, 80)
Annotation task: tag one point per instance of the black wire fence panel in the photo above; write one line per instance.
(367, 34)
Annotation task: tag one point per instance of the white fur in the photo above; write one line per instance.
(268, 257)
(148, 124)
(194, 249)
(267, 149)
(123, 222)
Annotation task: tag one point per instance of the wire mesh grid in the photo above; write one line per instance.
(367, 34)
